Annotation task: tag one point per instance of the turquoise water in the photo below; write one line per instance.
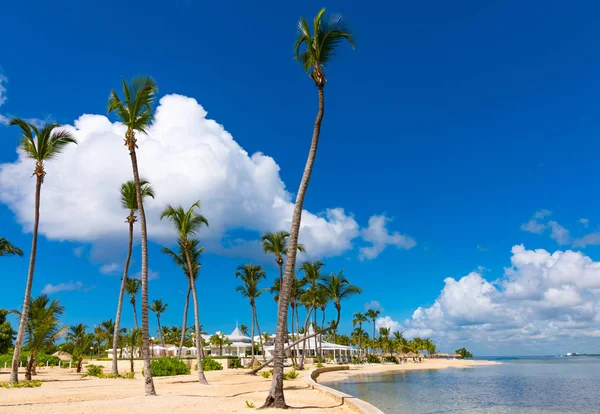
(518, 385)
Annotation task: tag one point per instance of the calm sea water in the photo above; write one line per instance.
(518, 385)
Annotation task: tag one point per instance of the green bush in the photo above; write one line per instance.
(372, 359)
(290, 375)
(51, 360)
(7, 358)
(127, 375)
(236, 363)
(209, 365)
(319, 365)
(168, 366)
(265, 374)
(390, 359)
(94, 371)
(22, 384)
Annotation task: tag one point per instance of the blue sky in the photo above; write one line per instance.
(457, 122)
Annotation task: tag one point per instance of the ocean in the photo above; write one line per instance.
(518, 385)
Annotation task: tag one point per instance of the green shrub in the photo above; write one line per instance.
(51, 360)
(94, 371)
(319, 365)
(22, 384)
(209, 364)
(356, 361)
(236, 363)
(249, 404)
(168, 366)
(372, 359)
(127, 375)
(390, 359)
(265, 374)
(7, 358)
(291, 375)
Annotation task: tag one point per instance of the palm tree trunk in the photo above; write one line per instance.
(373, 335)
(262, 349)
(183, 327)
(162, 336)
(297, 327)
(253, 326)
(315, 329)
(321, 337)
(148, 381)
(199, 347)
(14, 373)
(135, 314)
(294, 362)
(276, 398)
(306, 321)
(115, 369)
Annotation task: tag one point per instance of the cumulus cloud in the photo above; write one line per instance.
(585, 222)
(109, 268)
(152, 275)
(373, 304)
(187, 157)
(61, 287)
(534, 225)
(559, 233)
(379, 236)
(542, 296)
(591, 239)
(387, 322)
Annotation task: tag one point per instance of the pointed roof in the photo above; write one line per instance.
(237, 336)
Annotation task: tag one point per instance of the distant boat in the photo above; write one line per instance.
(572, 354)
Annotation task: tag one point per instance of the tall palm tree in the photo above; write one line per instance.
(7, 249)
(132, 287)
(339, 288)
(251, 275)
(372, 314)
(180, 260)
(133, 340)
(43, 328)
(358, 319)
(244, 330)
(276, 244)
(384, 334)
(158, 307)
(40, 145)
(135, 112)
(81, 342)
(188, 223)
(128, 202)
(320, 48)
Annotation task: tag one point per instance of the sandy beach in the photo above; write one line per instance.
(64, 391)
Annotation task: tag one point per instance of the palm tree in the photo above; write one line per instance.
(276, 244)
(320, 48)
(81, 342)
(251, 275)
(158, 307)
(42, 328)
(180, 260)
(384, 333)
(132, 287)
(40, 145)
(133, 340)
(244, 330)
(128, 202)
(339, 288)
(7, 249)
(373, 314)
(188, 223)
(219, 339)
(135, 112)
(358, 319)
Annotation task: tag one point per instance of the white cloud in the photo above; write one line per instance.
(373, 304)
(387, 322)
(3, 81)
(186, 157)
(534, 225)
(61, 287)
(481, 248)
(591, 239)
(585, 222)
(78, 251)
(152, 275)
(110, 268)
(379, 236)
(559, 233)
(541, 297)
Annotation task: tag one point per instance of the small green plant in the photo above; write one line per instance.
(209, 365)
(390, 359)
(249, 404)
(265, 374)
(169, 366)
(236, 363)
(372, 359)
(290, 375)
(93, 371)
(319, 365)
(22, 384)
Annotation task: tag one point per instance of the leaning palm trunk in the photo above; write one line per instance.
(149, 383)
(115, 368)
(199, 344)
(321, 337)
(14, 372)
(183, 326)
(306, 321)
(276, 398)
(253, 326)
(262, 349)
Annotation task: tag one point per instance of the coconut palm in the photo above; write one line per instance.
(320, 46)
(128, 202)
(180, 260)
(41, 146)
(135, 112)
(251, 275)
(358, 319)
(7, 249)
(188, 223)
(244, 330)
(132, 287)
(158, 307)
(133, 340)
(43, 328)
(339, 288)
(81, 342)
(384, 334)
(276, 244)
(372, 314)
(219, 339)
